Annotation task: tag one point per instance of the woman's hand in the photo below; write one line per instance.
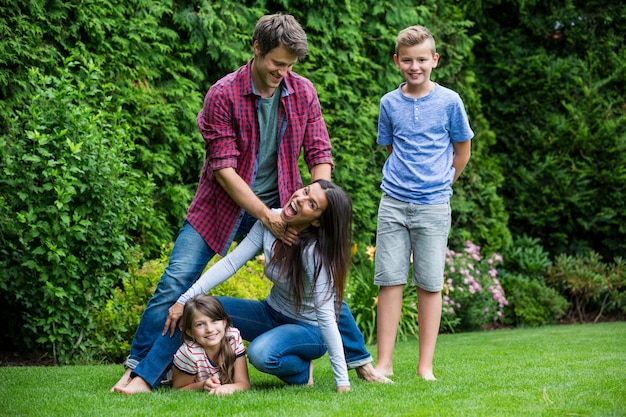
(175, 313)
(345, 388)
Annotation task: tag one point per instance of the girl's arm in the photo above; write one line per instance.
(242, 380)
(182, 380)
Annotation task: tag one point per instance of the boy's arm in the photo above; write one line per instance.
(462, 152)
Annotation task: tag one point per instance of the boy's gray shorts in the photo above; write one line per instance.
(406, 229)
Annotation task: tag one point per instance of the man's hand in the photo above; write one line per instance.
(175, 313)
(277, 226)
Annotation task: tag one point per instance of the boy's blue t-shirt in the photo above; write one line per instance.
(421, 130)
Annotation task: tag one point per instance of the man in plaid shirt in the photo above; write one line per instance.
(255, 122)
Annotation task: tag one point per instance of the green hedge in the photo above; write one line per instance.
(117, 84)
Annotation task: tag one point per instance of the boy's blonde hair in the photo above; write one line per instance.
(415, 35)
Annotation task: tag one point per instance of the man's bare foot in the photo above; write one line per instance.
(369, 374)
(124, 380)
(135, 386)
(310, 382)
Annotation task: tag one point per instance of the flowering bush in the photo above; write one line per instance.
(362, 297)
(472, 296)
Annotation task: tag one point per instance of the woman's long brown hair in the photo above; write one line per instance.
(332, 242)
(212, 308)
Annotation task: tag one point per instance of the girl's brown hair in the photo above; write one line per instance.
(212, 308)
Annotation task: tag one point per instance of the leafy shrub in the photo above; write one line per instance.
(553, 80)
(616, 285)
(362, 297)
(526, 256)
(70, 199)
(532, 303)
(249, 282)
(591, 285)
(472, 297)
(117, 321)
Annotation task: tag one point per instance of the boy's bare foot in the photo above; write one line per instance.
(426, 374)
(369, 374)
(124, 380)
(383, 370)
(135, 386)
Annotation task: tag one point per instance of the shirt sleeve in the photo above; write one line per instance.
(216, 126)
(317, 146)
(236, 342)
(229, 265)
(385, 130)
(184, 360)
(460, 130)
(324, 298)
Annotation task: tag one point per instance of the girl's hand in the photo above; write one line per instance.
(223, 390)
(212, 384)
(175, 313)
(345, 388)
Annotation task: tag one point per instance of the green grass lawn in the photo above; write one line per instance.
(574, 370)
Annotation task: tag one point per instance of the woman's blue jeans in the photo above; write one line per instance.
(284, 347)
(279, 345)
(151, 353)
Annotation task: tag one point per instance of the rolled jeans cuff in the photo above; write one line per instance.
(359, 362)
(131, 363)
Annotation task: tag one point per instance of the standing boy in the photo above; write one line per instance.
(427, 134)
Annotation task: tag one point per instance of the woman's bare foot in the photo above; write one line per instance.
(124, 380)
(135, 386)
(369, 374)
(310, 382)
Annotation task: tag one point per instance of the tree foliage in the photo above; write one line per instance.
(70, 197)
(554, 76)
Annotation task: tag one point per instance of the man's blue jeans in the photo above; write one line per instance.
(151, 353)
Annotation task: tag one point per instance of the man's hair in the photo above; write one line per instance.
(415, 35)
(281, 29)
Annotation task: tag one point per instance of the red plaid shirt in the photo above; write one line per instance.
(229, 125)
